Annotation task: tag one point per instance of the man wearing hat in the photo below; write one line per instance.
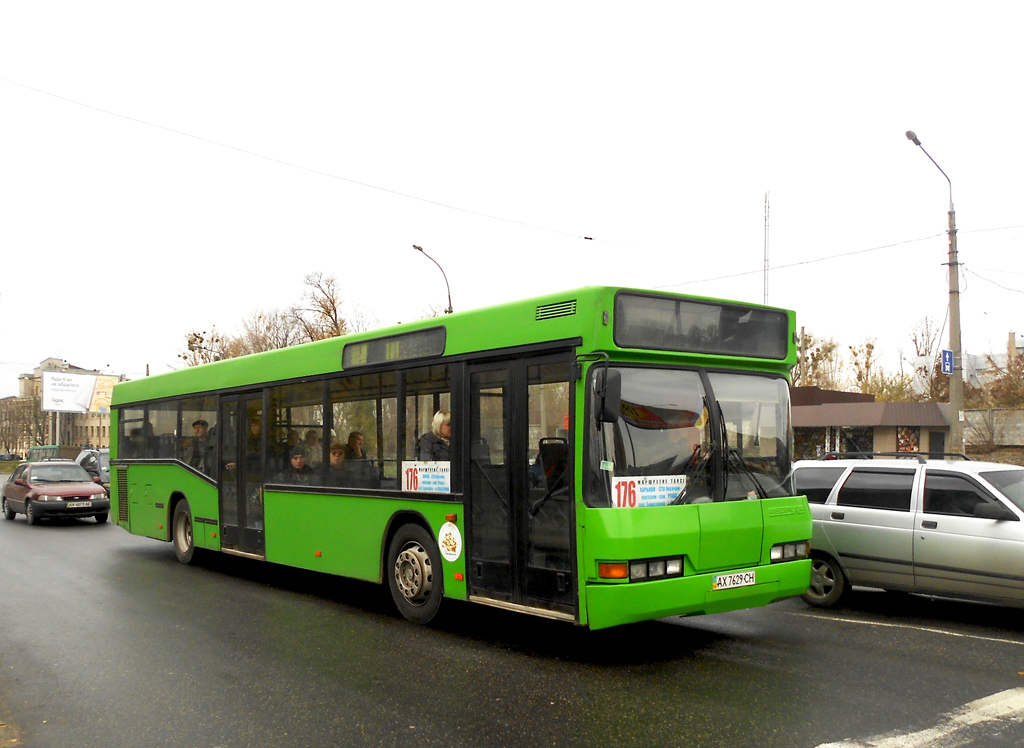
(202, 452)
(297, 472)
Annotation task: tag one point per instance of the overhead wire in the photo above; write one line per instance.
(989, 280)
(311, 170)
(802, 262)
(480, 214)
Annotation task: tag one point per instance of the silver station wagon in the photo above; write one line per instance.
(938, 527)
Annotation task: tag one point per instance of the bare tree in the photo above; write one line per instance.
(24, 422)
(432, 310)
(202, 347)
(319, 314)
(983, 431)
(8, 429)
(1006, 390)
(360, 320)
(925, 336)
(820, 363)
(265, 330)
(864, 360)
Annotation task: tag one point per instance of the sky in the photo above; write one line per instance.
(169, 167)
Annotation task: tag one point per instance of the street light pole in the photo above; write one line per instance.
(956, 381)
(449, 309)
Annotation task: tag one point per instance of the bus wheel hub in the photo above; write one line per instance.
(413, 573)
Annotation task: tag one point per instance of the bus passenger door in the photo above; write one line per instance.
(490, 542)
(521, 510)
(241, 480)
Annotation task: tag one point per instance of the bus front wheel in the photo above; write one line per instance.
(414, 573)
(181, 532)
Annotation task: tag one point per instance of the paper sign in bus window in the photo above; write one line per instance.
(427, 477)
(646, 490)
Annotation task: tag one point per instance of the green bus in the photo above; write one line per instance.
(599, 456)
(52, 452)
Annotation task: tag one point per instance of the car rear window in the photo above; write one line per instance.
(816, 482)
(59, 474)
(877, 488)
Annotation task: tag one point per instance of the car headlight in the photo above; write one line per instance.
(47, 497)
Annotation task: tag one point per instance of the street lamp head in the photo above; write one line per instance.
(420, 249)
(912, 137)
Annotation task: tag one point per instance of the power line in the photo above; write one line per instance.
(448, 206)
(988, 280)
(803, 262)
(291, 165)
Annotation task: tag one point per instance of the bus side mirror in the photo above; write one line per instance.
(608, 389)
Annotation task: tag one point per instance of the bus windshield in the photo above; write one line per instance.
(687, 437)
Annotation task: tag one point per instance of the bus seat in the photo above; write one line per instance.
(553, 458)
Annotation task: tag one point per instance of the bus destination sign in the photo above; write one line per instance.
(403, 347)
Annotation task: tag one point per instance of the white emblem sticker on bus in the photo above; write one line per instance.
(449, 540)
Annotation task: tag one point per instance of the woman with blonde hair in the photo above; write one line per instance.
(436, 444)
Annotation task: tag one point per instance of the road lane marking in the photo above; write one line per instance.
(929, 629)
(1005, 706)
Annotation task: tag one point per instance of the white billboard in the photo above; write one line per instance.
(77, 393)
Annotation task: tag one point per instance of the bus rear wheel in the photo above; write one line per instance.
(414, 573)
(181, 532)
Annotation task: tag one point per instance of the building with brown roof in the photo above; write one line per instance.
(825, 421)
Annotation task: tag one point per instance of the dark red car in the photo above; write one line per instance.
(53, 488)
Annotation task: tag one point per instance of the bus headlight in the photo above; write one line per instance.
(639, 571)
(790, 551)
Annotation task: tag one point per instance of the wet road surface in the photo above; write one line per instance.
(106, 640)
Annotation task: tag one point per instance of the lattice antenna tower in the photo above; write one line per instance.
(766, 248)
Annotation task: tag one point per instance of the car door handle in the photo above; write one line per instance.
(838, 515)
(929, 524)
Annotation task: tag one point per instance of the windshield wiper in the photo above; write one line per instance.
(735, 453)
(696, 469)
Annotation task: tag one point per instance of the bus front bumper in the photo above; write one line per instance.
(615, 604)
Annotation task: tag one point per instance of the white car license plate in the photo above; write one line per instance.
(78, 504)
(739, 579)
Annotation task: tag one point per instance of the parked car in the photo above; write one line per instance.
(97, 464)
(54, 488)
(10, 457)
(940, 527)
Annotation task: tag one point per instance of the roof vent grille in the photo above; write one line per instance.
(561, 309)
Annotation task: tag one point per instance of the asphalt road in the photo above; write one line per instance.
(105, 640)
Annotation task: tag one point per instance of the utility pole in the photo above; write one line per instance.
(956, 380)
(766, 248)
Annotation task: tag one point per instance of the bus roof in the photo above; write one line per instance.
(574, 315)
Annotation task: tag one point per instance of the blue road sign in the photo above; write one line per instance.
(947, 362)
